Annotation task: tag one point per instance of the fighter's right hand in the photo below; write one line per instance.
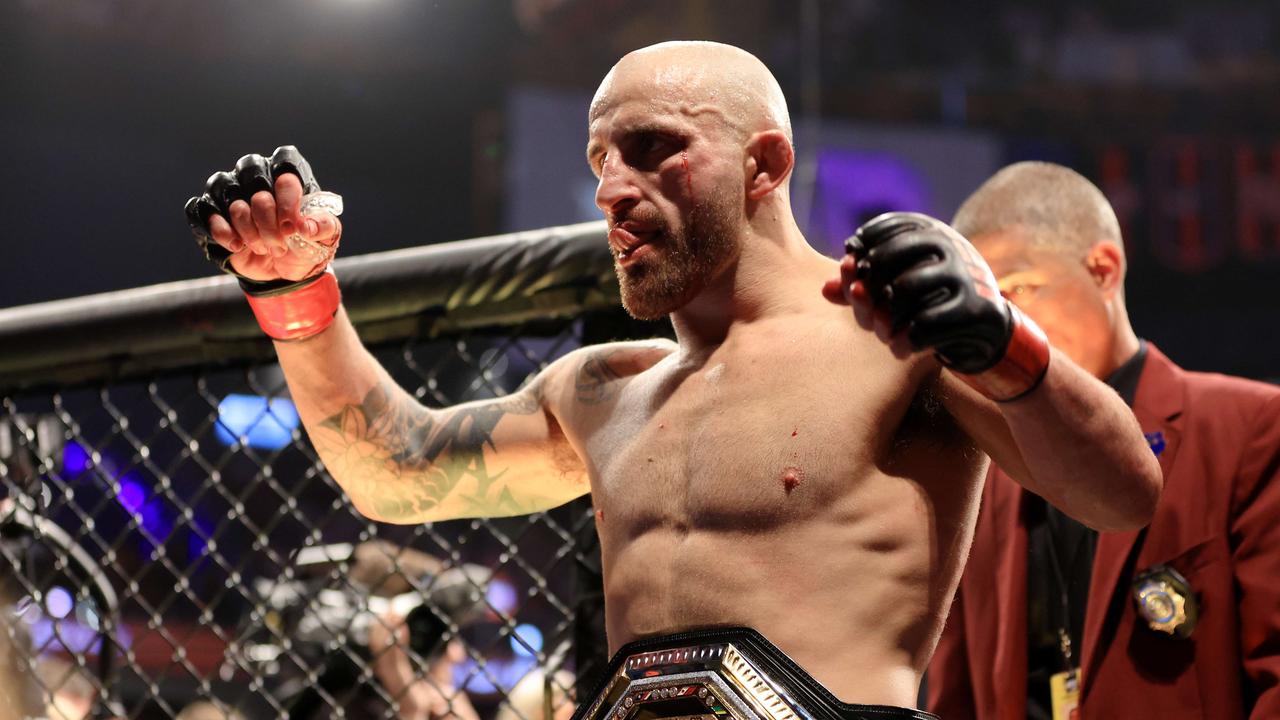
(246, 217)
(249, 223)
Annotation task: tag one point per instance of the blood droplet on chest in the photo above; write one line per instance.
(792, 477)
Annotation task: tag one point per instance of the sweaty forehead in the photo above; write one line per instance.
(707, 86)
(657, 90)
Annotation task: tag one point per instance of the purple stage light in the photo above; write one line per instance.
(58, 602)
(502, 595)
(855, 186)
(75, 459)
(132, 496)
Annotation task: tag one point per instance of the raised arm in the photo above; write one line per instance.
(1051, 426)
(397, 460)
(401, 462)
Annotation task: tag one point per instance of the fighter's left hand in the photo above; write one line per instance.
(921, 285)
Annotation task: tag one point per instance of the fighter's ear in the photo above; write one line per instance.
(769, 161)
(1105, 262)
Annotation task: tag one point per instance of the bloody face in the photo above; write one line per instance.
(671, 188)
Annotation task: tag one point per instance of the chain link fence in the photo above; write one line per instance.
(171, 546)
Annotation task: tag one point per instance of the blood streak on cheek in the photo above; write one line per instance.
(792, 477)
(688, 176)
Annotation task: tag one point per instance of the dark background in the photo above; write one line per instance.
(112, 113)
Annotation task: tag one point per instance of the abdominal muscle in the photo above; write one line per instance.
(858, 604)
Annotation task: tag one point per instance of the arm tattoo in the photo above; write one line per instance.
(390, 434)
(594, 383)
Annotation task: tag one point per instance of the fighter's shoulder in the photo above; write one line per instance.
(623, 358)
(587, 370)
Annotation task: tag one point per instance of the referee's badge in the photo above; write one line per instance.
(1166, 601)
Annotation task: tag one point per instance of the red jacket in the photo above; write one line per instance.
(1218, 524)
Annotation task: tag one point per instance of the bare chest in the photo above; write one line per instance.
(747, 443)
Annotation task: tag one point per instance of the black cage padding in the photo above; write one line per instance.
(485, 282)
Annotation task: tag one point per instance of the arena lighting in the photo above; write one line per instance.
(526, 641)
(262, 423)
(506, 672)
(57, 636)
(75, 459)
(132, 496)
(502, 596)
(197, 547)
(58, 602)
(854, 186)
(49, 628)
(81, 634)
(147, 511)
(502, 674)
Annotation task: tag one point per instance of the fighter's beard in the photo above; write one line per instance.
(679, 267)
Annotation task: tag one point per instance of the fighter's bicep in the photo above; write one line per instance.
(504, 457)
(535, 436)
(980, 418)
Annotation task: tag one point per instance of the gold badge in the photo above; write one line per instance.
(1166, 601)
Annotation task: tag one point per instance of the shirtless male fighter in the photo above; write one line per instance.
(788, 465)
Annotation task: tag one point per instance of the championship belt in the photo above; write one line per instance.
(718, 674)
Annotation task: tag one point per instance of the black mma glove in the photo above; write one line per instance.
(286, 309)
(934, 286)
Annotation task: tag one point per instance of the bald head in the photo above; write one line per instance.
(1049, 205)
(701, 77)
(692, 148)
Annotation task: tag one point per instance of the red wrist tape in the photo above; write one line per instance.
(300, 313)
(1025, 362)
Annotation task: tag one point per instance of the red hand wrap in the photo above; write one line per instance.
(300, 313)
(1023, 366)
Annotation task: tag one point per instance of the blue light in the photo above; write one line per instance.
(58, 602)
(132, 495)
(70, 636)
(532, 641)
(468, 676)
(75, 459)
(266, 425)
(197, 546)
(155, 520)
(149, 512)
(502, 596)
